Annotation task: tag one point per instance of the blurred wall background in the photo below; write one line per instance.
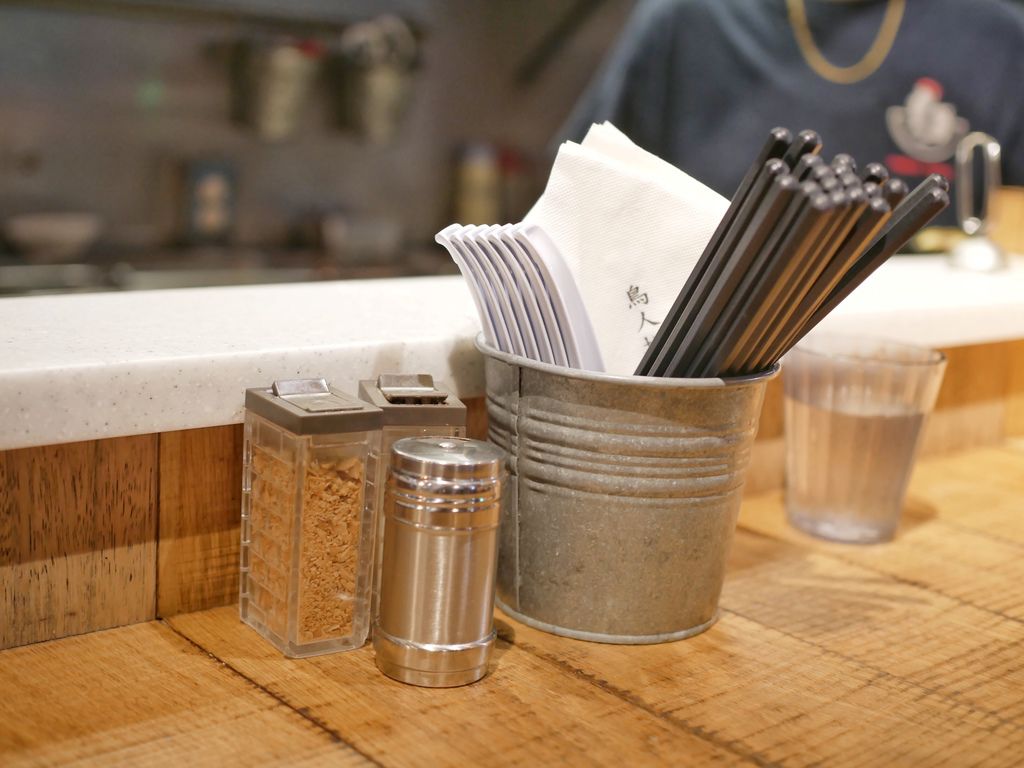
(98, 108)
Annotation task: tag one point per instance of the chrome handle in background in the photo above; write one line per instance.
(976, 252)
(970, 222)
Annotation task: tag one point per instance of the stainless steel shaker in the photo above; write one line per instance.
(442, 507)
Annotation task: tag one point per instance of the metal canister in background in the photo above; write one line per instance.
(371, 73)
(441, 513)
(271, 83)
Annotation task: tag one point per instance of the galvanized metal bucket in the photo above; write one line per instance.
(622, 497)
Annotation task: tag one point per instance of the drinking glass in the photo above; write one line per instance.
(854, 410)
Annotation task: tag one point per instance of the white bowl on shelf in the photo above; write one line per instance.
(53, 237)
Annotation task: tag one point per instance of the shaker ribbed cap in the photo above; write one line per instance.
(312, 407)
(449, 458)
(412, 400)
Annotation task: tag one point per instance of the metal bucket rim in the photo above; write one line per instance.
(638, 381)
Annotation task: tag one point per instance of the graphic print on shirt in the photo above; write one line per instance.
(927, 129)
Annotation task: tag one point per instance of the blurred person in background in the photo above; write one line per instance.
(700, 82)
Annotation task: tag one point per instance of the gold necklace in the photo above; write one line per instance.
(871, 61)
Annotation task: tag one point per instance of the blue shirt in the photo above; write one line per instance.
(700, 82)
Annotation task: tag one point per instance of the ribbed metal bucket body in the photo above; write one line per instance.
(622, 496)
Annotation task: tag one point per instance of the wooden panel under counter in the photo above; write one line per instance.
(78, 538)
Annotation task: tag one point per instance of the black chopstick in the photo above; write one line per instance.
(765, 209)
(741, 314)
(775, 146)
(843, 160)
(820, 171)
(799, 236)
(914, 213)
(713, 338)
(831, 249)
(932, 182)
(783, 256)
(696, 294)
(875, 172)
(894, 190)
(806, 165)
(806, 142)
(867, 228)
(830, 183)
(849, 179)
(793, 286)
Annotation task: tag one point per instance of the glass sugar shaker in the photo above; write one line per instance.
(411, 406)
(308, 503)
(441, 514)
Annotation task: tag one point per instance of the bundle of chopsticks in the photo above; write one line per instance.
(799, 236)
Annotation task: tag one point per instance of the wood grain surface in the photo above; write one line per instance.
(200, 514)
(77, 538)
(962, 532)
(907, 653)
(145, 696)
(527, 711)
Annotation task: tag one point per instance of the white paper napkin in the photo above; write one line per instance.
(631, 227)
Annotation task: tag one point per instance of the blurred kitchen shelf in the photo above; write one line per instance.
(50, 278)
(295, 15)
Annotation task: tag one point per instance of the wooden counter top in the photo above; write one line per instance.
(909, 653)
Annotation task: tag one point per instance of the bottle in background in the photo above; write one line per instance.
(478, 185)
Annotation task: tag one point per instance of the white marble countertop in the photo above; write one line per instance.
(921, 300)
(89, 366)
(86, 366)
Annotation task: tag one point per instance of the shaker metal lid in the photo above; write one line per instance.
(449, 458)
(413, 400)
(312, 407)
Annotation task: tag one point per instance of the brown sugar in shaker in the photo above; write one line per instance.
(308, 505)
